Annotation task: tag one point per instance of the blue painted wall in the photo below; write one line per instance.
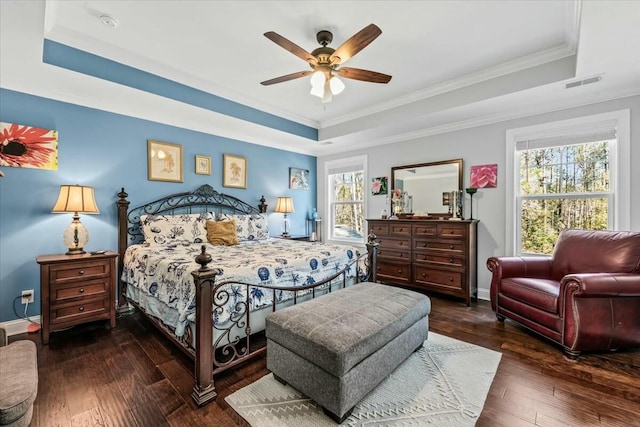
(108, 151)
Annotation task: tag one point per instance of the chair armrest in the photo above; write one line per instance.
(504, 267)
(520, 266)
(588, 285)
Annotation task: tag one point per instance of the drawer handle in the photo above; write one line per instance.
(401, 229)
(451, 279)
(424, 274)
(451, 260)
(424, 257)
(81, 308)
(451, 247)
(424, 245)
(81, 290)
(399, 254)
(401, 243)
(400, 271)
(81, 272)
(451, 232)
(378, 269)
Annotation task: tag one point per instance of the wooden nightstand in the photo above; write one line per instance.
(76, 289)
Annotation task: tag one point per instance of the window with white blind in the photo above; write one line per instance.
(345, 199)
(569, 174)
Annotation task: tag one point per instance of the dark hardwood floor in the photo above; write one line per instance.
(132, 376)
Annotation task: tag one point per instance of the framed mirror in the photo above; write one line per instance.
(423, 185)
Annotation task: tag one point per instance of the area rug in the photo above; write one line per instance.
(443, 384)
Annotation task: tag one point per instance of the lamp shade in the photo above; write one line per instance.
(284, 205)
(76, 198)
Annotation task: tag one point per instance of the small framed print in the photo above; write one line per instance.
(234, 171)
(164, 161)
(298, 179)
(203, 165)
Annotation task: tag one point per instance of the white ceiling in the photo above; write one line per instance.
(454, 64)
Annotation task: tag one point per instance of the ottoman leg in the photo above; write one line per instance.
(336, 418)
(280, 380)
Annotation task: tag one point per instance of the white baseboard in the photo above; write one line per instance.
(484, 294)
(19, 326)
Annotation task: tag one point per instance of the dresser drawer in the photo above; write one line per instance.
(439, 245)
(395, 272)
(379, 229)
(435, 277)
(438, 258)
(395, 244)
(70, 271)
(80, 311)
(400, 229)
(424, 230)
(394, 253)
(452, 230)
(73, 290)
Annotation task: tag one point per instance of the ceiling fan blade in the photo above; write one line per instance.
(355, 44)
(364, 75)
(286, 78)
(291, 47)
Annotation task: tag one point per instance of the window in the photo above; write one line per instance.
(346, 190)
(568, 175)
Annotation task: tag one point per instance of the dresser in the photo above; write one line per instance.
(430, 255)
(76, 289)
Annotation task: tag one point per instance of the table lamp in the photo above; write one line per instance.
(76, 199)
(284, 205)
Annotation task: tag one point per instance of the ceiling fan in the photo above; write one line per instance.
(325, 62)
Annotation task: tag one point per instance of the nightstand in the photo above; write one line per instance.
(76, 289)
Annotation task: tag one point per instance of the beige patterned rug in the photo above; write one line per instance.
(443, 384)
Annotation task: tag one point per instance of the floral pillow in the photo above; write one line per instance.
(249, 227)
(184, 229)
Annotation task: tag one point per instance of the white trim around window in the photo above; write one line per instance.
(620, 159)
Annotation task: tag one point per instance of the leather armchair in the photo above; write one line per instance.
(585, 296)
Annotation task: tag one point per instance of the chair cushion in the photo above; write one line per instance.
(338, 330)
(588, 251)
(539, 293)
(19, 375)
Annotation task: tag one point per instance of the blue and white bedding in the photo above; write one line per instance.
(164, 273)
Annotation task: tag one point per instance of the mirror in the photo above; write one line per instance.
(424, 185)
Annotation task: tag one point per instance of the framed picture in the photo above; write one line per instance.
(23, 146)
(379, 186)
(203, 165)
(234, 171)
(164, 161)
(298, 179)
(484, 176)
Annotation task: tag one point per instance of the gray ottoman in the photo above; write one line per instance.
(338, 347)
(19, 379)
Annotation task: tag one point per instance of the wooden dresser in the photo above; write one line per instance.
(76, 289)
(432, 255)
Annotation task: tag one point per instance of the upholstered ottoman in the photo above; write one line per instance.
(338, 347)
(18, 381)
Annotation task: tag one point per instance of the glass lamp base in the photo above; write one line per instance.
(75, 237)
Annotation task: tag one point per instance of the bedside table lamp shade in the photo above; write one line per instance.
(284, 205)
(76, 199)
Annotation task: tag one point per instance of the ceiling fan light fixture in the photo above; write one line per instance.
(327, 96)
(336, 85)
(317, 90)
(317, 79)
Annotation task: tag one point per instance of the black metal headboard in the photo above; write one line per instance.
(202, 199)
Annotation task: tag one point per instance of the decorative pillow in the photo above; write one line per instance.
(183, 229)
(249, 227)
(222, 233)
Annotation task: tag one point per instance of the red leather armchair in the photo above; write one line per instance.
(585, 296)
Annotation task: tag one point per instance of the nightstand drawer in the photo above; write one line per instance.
(89, 289)
(79, 311)
(60, 273)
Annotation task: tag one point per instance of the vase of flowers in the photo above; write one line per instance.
(397, 203)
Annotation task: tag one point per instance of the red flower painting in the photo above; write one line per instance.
(28, 147)
(484, 176)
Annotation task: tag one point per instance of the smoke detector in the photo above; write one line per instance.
(109, 21)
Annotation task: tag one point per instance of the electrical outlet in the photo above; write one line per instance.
(27, 296)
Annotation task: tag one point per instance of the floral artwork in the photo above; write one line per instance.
(379, 186)
(484, 176)
(24, 146)
(164, 161)
(234, 171)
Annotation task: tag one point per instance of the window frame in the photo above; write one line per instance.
(619, 195)
(351, 164)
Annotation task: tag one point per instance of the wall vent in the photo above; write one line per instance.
(583, 82)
